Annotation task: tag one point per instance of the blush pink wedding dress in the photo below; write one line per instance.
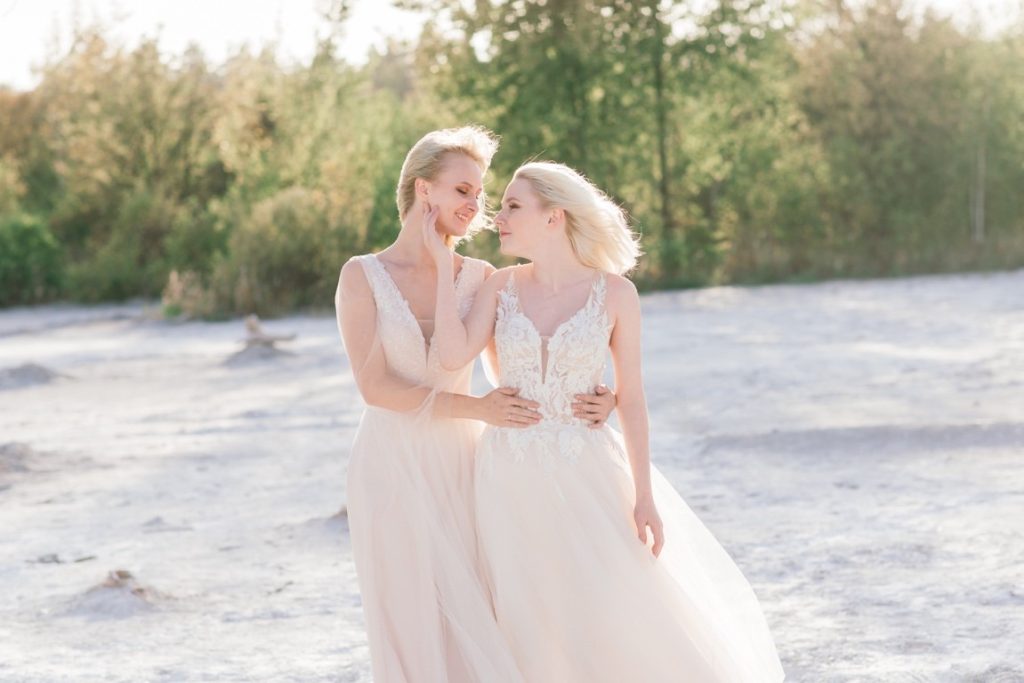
(428, 616)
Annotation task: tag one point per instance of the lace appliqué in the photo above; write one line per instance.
(405, 349)
(575, 363)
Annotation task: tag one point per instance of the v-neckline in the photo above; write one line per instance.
(558, 328)
(544, 342)
(425, 343)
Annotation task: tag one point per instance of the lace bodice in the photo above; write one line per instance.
(550, 370)
(406, 352)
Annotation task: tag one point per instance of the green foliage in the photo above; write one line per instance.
(750, 141)
(30, 260)
(284, 256)
(11, 187)
(130, 256)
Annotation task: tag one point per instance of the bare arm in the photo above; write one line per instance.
(357, 322)
(489, 358)
(624, 303)
(492, 368)
(458, 342)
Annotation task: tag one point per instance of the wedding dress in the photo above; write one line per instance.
(410, 511)
(579, 598)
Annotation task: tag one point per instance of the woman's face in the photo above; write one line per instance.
(456, 193)
(522, 220)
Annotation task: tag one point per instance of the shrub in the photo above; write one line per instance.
(185, 296)
(30, 261)
(286, 255)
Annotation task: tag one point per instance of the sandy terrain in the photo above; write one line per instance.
(857, 446)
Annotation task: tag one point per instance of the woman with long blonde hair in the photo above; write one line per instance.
(410, 473)
(598, 569)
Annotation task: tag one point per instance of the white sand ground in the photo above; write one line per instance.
(857, 446)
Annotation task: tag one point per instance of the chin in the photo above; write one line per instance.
(454, 229)
(509, 250)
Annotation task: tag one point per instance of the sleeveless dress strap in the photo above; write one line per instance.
(513, 288)
(468, 281)
(507, 297)
(385, 293)
(370, 265)
(471, 275)
(600, 287)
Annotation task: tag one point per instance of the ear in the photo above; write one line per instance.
(422, 188)
(557, 217)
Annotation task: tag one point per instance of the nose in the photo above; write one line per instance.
(499, 220)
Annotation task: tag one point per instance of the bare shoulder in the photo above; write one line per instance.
(487, 268)
(353, 278)
(499, 276)
(621, 292)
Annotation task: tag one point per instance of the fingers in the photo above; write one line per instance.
(594, 418)
(525, 414)
(659, 538)
(516, 411)
(520, 418)
(657, 531)
(604, 399)
(515, 401)
(430, 224)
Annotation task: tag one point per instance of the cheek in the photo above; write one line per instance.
(527, 230)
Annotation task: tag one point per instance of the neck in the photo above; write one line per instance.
(408, 247)
(556, 269)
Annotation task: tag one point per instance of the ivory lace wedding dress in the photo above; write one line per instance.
(579, 598)
(410, 507)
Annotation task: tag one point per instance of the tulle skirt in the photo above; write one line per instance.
(410, 506)
(579, 598)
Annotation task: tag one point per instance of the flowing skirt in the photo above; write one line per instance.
(410, 507)
(579, 597)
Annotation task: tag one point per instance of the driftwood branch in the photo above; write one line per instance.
(257, 337)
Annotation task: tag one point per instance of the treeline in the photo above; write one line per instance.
(750, 143)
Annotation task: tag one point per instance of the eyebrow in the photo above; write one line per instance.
(467, 182)
(510, 199)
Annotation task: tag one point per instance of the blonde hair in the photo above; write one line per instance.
(426, 158)
(597, 227)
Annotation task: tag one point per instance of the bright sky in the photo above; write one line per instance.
(28, 27)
